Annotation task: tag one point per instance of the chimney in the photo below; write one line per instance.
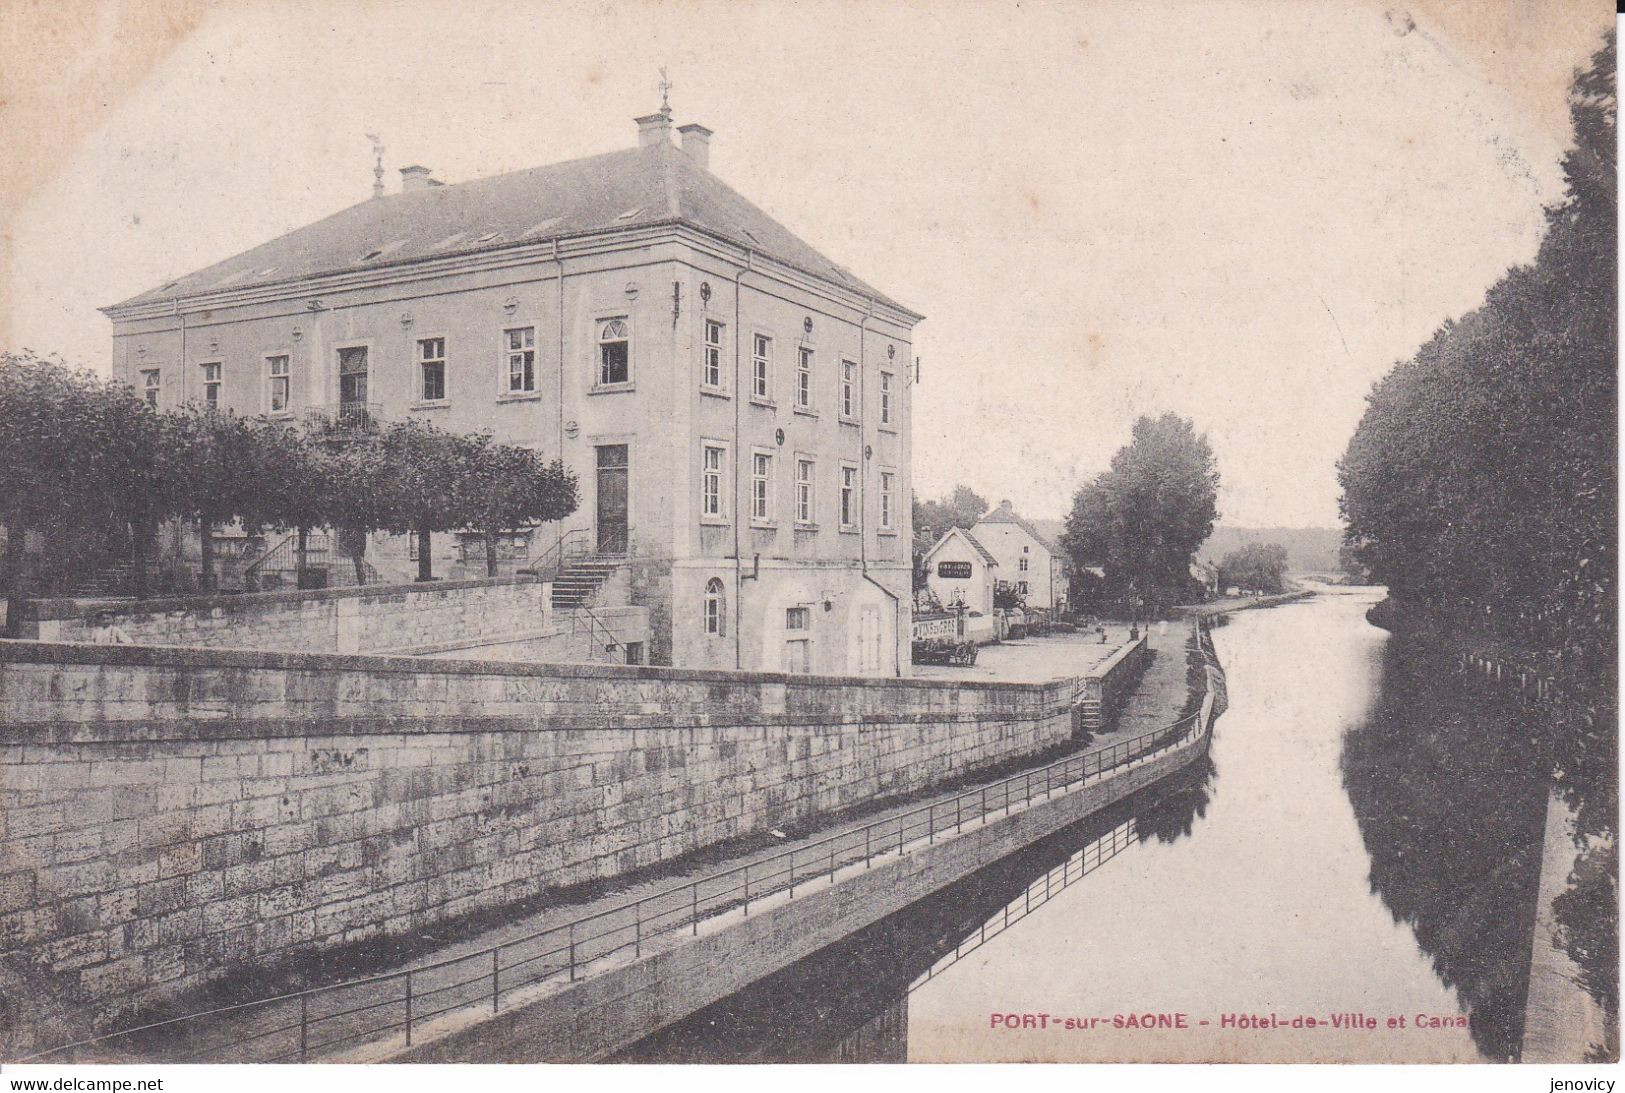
(654, 129)
(415, 178)
(697, 143)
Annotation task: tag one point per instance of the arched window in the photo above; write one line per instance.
(614, 353)
(714, 614)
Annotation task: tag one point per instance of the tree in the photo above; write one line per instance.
(1481, 484)
(297, 477)
(229, 460)
(1258, 566)
(932, 519)
(51, 422)
(505, 488)
(423, 494)
(1144, 518)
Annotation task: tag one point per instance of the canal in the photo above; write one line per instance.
(1361, 847)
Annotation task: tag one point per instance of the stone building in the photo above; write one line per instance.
(735, 405)
(1030, 563)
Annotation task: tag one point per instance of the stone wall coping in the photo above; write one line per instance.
(1121, 655)
(183, 656)
(45, 610)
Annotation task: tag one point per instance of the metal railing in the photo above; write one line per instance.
(313, 1023)
(566, 548)
(338, 417)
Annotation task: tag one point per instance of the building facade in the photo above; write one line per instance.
(736, 407)
(1029, 562)
(959, 570)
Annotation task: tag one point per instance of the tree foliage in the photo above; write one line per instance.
(1258, 566)
(78, 451)
(1144, 518)
(1481, 484)
(932, 519)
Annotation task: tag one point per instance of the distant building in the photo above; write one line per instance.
(960, 570)
(1030, 562)
(1205, 574)
(735, 405)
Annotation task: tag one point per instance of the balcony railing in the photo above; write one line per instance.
(341, 416)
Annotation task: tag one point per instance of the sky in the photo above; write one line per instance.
(1245, 213)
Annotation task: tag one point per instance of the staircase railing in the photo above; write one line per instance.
(566, 548)
(611, 642)
(320, 553)
(284, 557)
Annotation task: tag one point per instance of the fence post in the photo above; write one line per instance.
(957, 824)
(747, 887)
(637, 943)
(792, 874)
(931, 821)
(572, 952)
(832, 861)
(304, 1026)
(695, 889)
(899, 836)
(496, 981)
(408, 1009)
(867, 832)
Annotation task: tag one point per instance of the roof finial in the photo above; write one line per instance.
(378, 165)
(665, 91)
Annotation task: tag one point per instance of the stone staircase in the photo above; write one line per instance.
(580, 580)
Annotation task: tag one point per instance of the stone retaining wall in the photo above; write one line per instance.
(169, 812)
(374, 618)
(1100, 694)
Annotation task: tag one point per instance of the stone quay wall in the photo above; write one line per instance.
(1101, 694)
(167, 813)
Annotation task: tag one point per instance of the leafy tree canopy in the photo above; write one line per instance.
(1144, 518)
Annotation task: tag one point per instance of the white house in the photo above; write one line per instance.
(1029, 561)
(959, 570)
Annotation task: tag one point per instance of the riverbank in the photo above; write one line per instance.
(1562, 1022)
(1242, 603)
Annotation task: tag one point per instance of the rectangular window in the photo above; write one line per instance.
(761, 487)
(281, 379)
(797, 618)
(151, 384)
(849, 496)
(804, 365)
(804, 491)
(1021, 563)
(761, 364)
(849, 389)
(885, 398)
(519, 347)
(353, 378)
(432, 367)
(711, 480)
(614, 352)
(211, 385)
(711, 373)
(887, 484)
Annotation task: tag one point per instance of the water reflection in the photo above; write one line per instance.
(1448, 787)
(1368, 849)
